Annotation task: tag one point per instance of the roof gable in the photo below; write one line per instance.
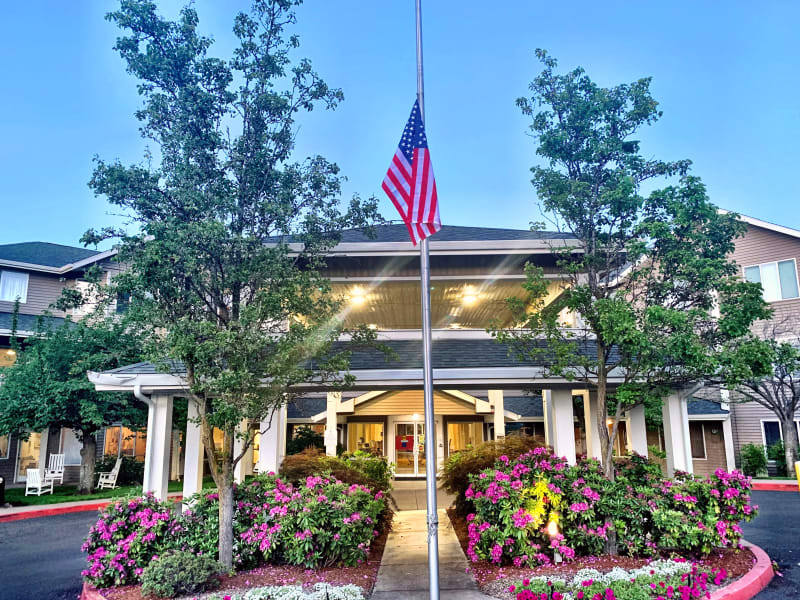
(44, 253)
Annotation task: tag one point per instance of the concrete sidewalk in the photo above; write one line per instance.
(404, 568)
(410, 495)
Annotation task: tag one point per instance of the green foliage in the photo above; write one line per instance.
(777, 452)
(179, 573)
(131, 471)
(304, 437)
(212, 279)
(645, 271)
(657, 452)
(754, 460)
(358, 468)
(460, 465)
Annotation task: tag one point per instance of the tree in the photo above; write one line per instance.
(47, 386)
(775, 385)
(225, 268)
(653, 294)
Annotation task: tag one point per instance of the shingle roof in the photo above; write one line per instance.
(25, 322)
(700, 406)
(525, 406)
(448, 233)
(44, 253)
(305, 408)
(446, 354)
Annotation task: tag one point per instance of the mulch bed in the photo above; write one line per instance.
(735, 562)
(363, 576)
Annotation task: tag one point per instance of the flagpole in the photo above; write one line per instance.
(430, 423)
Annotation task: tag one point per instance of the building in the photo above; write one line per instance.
(34, 274)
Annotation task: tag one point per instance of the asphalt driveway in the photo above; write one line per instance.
(41, 558)
(777, 530)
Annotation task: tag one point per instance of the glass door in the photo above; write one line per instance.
(409, 447)
(28, 455)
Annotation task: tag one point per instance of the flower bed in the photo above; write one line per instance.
(537, 507)
(321, 523)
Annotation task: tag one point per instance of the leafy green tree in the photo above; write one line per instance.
(47, 386)
(225, 268)
(776, 387)
(652, 297)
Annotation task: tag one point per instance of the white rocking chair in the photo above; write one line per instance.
(34, 484)
(55, 469)
(108, 479)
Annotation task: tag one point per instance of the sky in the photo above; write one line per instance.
(725, 75)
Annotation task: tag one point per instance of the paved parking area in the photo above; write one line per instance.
(41, 558)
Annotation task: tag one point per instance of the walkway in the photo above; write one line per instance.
(410, 495)
(16, 513)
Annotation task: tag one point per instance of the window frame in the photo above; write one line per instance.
(764, 432)
(8, 447)
(65, 431)
(702, 437)
(777, 269)
(24, 299)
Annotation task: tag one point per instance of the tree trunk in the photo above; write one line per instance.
(790, 444)
(88, 460)
(226, 525)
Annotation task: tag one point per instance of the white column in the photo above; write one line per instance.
(330, 423)
(270, 448)
(281, 416)
(496, 401)
(193, 453)
(676, 434)
(560, 420)
(727, 431)
(159, 434)
(637, 430)
(175, 456)
(44, 437)
(593, 449)
(240, 470)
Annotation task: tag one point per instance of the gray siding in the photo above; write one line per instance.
(9, 465)
(43, 290)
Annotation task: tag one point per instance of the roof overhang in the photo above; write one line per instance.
(765, 224)
(23, 266)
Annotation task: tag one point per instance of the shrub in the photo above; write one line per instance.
(304, 437)
(131, 471)
(360, 468)
(516, 500)
(777, 452)
(177, 573)
(754, 461)
(128, 535)
(457, 468)
(321, 522)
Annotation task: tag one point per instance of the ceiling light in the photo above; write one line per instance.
(454, 326)
(469, 299)
(372, 326)
(357, 296)
(10, 352)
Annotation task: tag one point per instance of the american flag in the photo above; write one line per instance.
(409, 182)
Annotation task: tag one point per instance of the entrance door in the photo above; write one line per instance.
(409, 444)
(28, 455)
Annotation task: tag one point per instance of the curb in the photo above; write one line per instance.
(62, 510)
(747, 586)
(744, 588)
(777, 486)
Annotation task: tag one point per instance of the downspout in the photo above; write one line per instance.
(137, 392)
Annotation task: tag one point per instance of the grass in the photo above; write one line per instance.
(68, 493)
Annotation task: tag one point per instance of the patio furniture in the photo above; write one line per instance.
(108, 479)
(35, 484)
(55, 469)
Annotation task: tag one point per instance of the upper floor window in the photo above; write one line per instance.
(779, 279)
(13, 286)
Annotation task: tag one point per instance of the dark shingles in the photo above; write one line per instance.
(44, 253)
(26, 322)
(525, 406)
(305, 408)
(699, 406)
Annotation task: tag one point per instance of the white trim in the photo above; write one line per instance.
(705, 450)
(778, 271)
(764, 433)
(709, 417)
(764, 224)
(23, 299)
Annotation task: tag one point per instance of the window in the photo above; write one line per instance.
(779, 279)
(772, 432)
(121, 441)
(462, 436)
(70, 447)
(697, 439)
(367, 437)
(3, 446)
(13, 286)
(111, 445)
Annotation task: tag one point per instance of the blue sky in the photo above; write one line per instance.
(725, 73)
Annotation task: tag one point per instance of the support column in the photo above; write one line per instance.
(560, 421)
(271, 448)
(159, 438)
(593, 448)
(676, 434)
(496, 401)
(330, 423)
(193, 453)
(637, 430)
(175, 456)
(240, 470)
(727, 431)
